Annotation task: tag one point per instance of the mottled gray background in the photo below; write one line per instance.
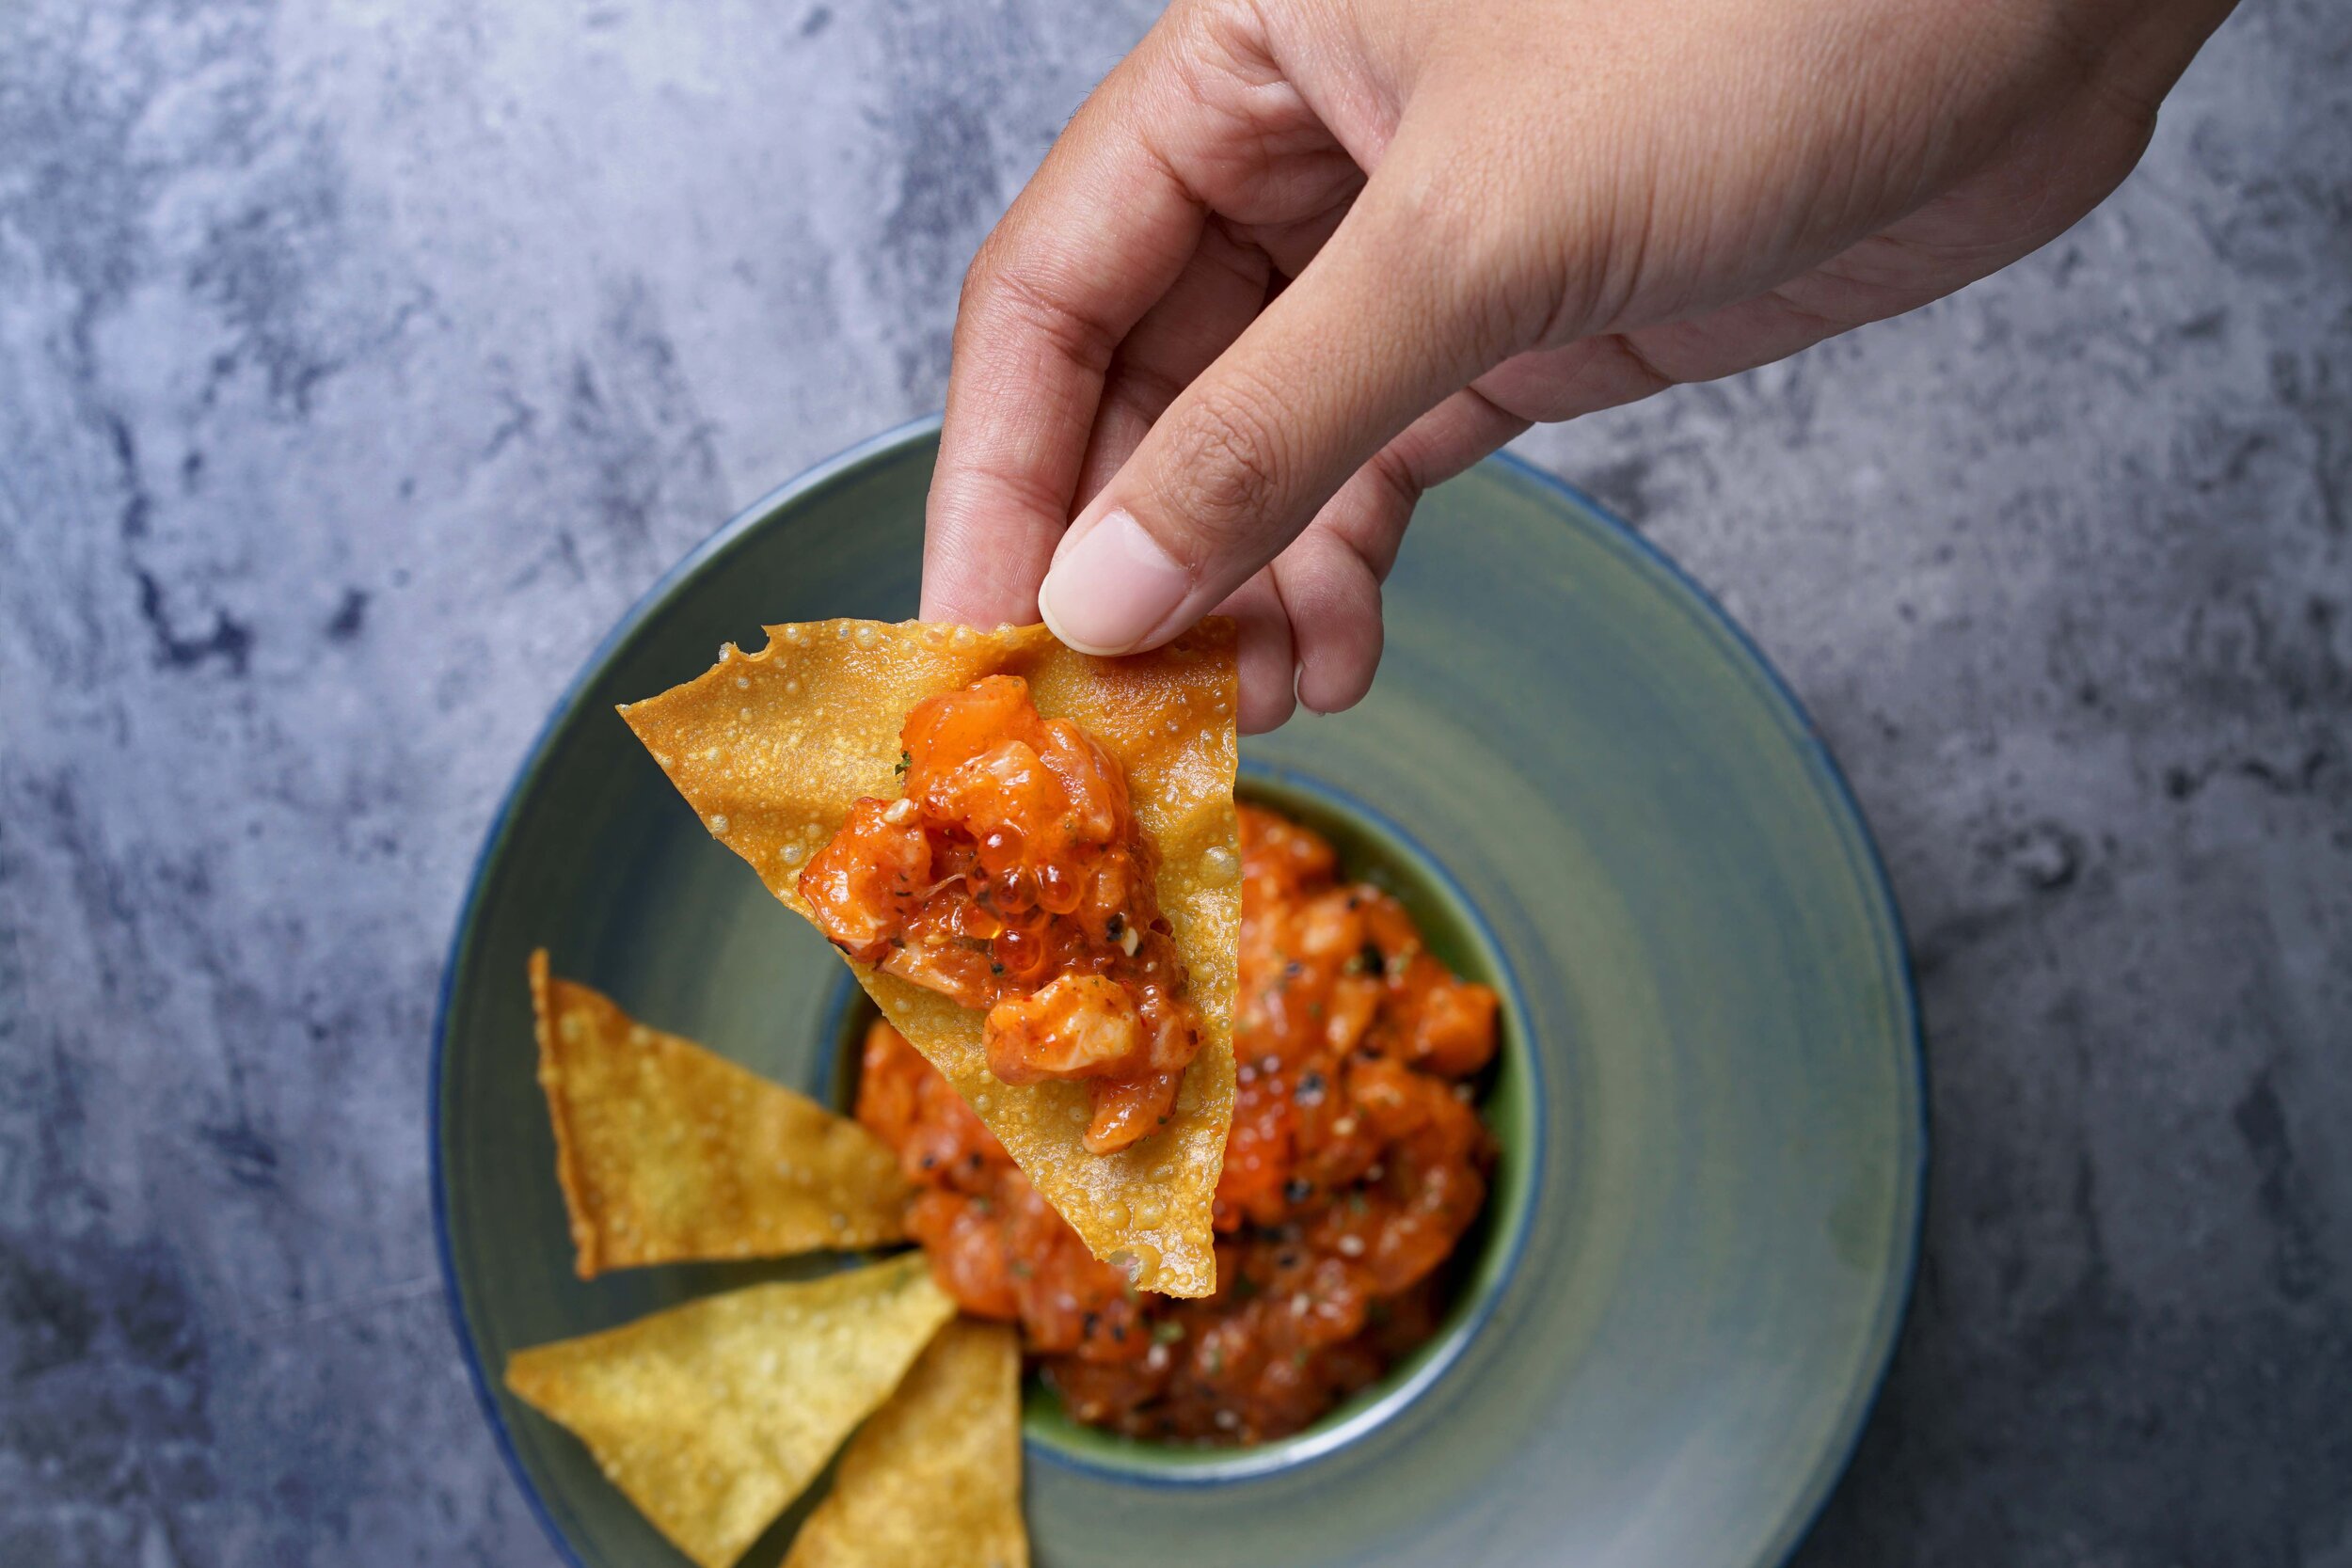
(357, 370)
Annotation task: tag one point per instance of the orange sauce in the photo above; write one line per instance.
(1354, 1164)
(1011, 875)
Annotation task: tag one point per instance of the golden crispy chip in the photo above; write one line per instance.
(668, 1152)
(933, 1480)
(712, 1417)
(773, 748)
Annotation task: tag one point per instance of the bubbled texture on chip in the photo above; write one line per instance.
(772, 748)
(934, 1480)
(712, 1417)
(669, 1152)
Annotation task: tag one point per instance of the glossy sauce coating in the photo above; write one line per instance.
(1012, 877)
(1354, 1166)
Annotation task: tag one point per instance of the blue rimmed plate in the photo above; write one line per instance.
(1715, 1146)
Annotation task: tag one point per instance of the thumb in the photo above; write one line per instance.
(1380, 326)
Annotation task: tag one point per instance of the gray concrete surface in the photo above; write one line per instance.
(358, 368)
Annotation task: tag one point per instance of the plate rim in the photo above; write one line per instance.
(1806, 1508)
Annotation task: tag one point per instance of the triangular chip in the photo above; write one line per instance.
(772, 748)
(712, 1417)
(667, 1151)
(933, 1480)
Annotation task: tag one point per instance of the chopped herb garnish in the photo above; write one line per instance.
(905, 762)
(1216, 1361)
(1113, 927)
(1020, 1268)
(1166, 1332)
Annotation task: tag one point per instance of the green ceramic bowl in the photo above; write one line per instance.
(1596, 795)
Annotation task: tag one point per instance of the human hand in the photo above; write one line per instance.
(1295, 260)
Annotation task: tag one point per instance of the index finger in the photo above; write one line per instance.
(1101, 231)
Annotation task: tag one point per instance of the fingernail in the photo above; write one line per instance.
(1111, 588)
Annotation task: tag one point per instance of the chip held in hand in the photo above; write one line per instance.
(776, 750)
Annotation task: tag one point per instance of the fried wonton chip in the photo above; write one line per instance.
(667, 1151)
(773, 748)
(934, 1480)
(712, 1417)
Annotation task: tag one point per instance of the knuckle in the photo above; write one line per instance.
(1225, 463)
(1005, 296)
(981, 278)
(1397, 486)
